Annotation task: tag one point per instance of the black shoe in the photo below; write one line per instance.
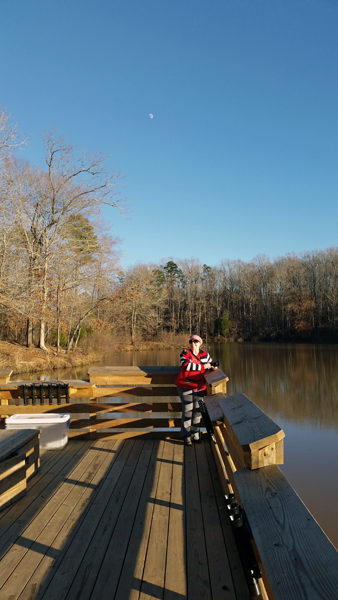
(187, 441)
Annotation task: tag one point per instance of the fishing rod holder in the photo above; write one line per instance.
(243, 536)
(45, 393)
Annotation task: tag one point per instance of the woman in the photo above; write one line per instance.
(191, 388)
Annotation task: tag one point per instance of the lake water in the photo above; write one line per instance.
(297, 386)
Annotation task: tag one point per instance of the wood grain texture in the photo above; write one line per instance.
(197, 563)
(132, 573)
(240, 459)
(154, 568)
(213, 408)
(135, 400)
(44, 541)
(136, 379)
(216, 382)
(5, 375)
(107, 547)
(139, 415)
(219, 569)
(252, 431)
(133, 375)
(253, 428)
(13, 439)
(175, 587)
(108, 520)
(135, 391)
(299, 560)
(237, 574)
(55, 468)
(126, 371)
(224, 467)
(54, 578)
(20, 460)
(40, 533)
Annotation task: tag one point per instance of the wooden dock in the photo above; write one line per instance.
(121, 519)
(126, 511)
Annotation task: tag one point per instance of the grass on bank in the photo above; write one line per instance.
(21, 359)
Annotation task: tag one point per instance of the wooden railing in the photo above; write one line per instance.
(295, 558)
(117, 401)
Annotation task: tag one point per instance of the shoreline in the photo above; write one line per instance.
(21, 359)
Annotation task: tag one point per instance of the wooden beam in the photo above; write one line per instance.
(133, 375)
(19, 461)
(299, 560)
(216, 382)
(14, 391)
(129, 390)
(12, 439)
(5, 375)
(260, 439)
(49, 408)
(139, 415)
(213, 408)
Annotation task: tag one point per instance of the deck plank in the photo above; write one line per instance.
(219, 570)
(65, 568)
(18, 517)
(175, 578)
(197, 564)
(100, 571)
(132, 572)
(121, 520)
(40, 535)
(154, 569)
(237, 574)
(62, 542)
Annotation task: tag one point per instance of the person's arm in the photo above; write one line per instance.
(188, 365)
(206, 361)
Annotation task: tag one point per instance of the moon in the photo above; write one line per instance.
(151, 116)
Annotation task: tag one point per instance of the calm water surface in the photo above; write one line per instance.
(296, 385)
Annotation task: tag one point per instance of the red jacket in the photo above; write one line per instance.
(192, 369)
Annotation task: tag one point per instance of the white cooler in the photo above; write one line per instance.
(54, 428)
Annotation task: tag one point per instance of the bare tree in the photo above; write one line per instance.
(41, 203)
(10, 138)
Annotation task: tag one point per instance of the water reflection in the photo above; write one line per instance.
(296, 385)
(296, 382)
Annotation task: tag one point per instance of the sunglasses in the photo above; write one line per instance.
(194, 342)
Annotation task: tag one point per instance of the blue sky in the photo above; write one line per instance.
(241, 155)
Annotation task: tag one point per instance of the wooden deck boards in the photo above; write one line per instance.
(124, 520)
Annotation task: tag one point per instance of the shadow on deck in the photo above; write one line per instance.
(124, 520)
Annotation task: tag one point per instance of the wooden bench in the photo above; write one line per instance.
(296, 559)
(19, 461)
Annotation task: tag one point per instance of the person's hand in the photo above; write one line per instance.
(208, 366)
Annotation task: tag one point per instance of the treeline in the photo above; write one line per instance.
(60, 277)
(293, 298)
